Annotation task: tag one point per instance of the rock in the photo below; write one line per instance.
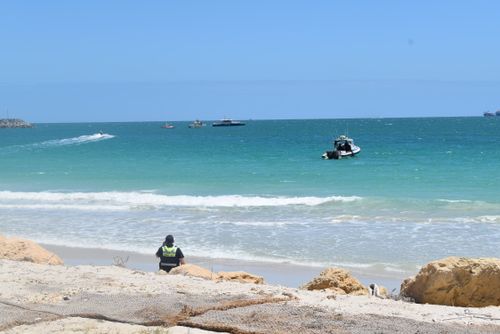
(193, 271)
(26, 250)
(456, 281)
(197, 271)
(240, 276)
(14, 123)
(337, 280)
(383, 293)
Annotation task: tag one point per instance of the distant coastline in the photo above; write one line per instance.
(14, 123)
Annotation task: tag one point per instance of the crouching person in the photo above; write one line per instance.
(170, 256)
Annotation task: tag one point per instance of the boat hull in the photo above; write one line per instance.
(336, 155)
(232, 124)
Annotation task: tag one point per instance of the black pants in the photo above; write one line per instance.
(166, 268)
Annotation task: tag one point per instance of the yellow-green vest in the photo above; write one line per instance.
(169, 251)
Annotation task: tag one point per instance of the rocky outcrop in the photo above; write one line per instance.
(26, 250)
(14, 123)
(337, 280)
(193, 271)
(456, 281)
(240, 276)
(197, 271)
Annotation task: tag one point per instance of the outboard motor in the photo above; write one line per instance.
(332, 155)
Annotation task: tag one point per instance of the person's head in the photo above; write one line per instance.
(169, 240)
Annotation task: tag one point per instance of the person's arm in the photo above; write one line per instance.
(158, 252)
(180, 256)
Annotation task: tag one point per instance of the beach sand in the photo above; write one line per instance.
(55, 296)
(284, 274)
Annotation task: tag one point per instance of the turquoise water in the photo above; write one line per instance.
(420, 189)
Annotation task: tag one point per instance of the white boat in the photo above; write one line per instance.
(228, 122)
(197, 124)
(343, 146)
(167, 126)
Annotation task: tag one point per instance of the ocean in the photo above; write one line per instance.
(421, 189)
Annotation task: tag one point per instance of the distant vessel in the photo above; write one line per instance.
(343, 146)
(228, 122)
(196, 124)
(490, 114)
(167, 126)
(497, 113)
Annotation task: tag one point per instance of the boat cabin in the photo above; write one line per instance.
(343, 143)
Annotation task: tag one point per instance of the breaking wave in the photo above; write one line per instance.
(138, 199)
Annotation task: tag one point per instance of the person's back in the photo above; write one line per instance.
(170, 256)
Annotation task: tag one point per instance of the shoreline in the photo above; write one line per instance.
(284, 274)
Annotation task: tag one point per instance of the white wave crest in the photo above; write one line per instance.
(73, 207)
(489, 219)
(454, 200)
(134, 200)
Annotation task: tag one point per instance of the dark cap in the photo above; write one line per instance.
(169, 239)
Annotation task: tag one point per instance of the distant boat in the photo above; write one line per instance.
(167, 126)
(343, 146)
(228, 122)
(196, 124)
(490, 114)
(497, 113)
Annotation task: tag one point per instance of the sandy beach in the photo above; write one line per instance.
(100, 298)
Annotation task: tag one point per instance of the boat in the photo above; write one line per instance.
(343, 146)
(490, 114)
(228, 122)
(167, 126)
(196, 124)
(497, 113)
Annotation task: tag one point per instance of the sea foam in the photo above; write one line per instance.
(138, 199)
(84, 139)
(75, 140)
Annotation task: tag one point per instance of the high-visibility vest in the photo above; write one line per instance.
(169, 251)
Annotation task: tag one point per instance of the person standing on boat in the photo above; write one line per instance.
(347, 147)
(170, 256)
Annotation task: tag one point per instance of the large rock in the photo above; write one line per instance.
(197, 271)
(193, 271)
(337, 280)
(240, 276)
(26, 250)
(14, 123)
(456, 281)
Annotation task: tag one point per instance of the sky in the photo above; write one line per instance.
(120, 60)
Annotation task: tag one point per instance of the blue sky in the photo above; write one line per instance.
(180, 60)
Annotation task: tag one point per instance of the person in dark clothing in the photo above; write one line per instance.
(347, 147)
(170, 256)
